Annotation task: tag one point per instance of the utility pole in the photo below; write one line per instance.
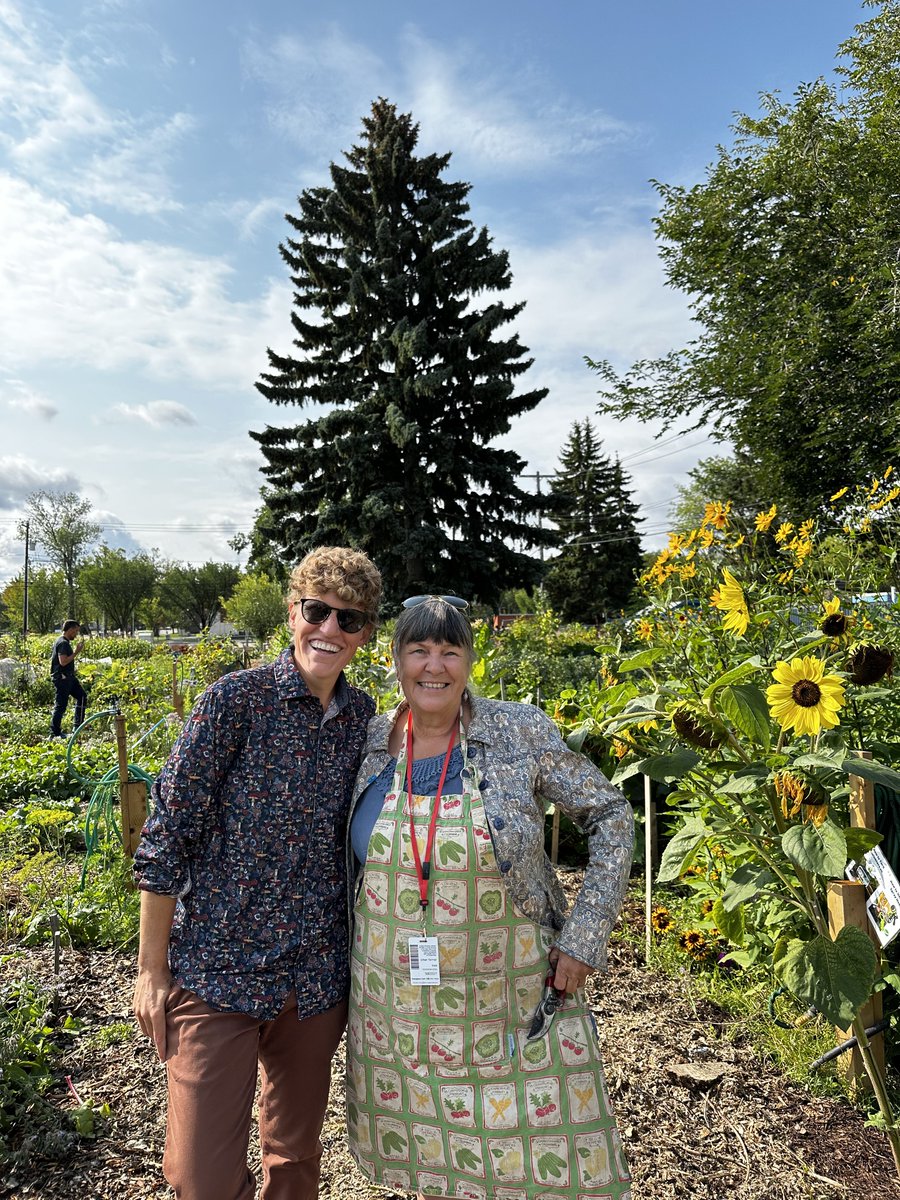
(25, 600)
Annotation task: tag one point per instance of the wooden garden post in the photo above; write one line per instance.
(132, 795)
(847, 906)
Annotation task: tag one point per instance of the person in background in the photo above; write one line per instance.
(472, 1061)
(66, 682)
(243, 958)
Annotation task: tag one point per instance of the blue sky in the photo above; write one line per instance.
(149, 151)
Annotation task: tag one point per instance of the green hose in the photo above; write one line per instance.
(102, 808)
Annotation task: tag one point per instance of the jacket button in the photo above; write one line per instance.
(471, 752)
(499, 823)
(506, 866)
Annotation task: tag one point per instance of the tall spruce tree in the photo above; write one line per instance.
(418, 380)
(590, 502)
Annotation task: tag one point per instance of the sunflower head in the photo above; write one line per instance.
(729, 597)
(835, 624)
(868, 664)
(696, 728)
(803, 697)
(801, 793)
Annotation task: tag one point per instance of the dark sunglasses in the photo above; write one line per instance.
(453, 601)
(316, 612)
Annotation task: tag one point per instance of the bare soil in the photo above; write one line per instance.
(740, 1130)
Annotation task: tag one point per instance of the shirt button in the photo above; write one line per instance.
(506, 866)
(471, 752)
(499, 823)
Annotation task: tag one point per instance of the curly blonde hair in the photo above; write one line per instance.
(348, 573)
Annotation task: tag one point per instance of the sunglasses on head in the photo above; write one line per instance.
(316, 612)
(453, 601)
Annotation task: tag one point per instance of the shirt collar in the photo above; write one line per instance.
(290, 684)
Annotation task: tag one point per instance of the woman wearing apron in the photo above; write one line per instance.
(472, 1062)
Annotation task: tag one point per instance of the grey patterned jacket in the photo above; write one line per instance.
(522, 766)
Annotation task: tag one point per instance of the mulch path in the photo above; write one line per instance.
(743, 1132)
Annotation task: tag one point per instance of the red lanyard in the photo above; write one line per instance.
(423, 868)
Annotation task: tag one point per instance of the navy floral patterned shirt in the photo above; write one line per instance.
(247, 830)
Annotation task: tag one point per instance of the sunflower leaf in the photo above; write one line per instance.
(745, 707)
(878, 773)
(645, 658)
(664, 768)
(745, 884)
(860, 841)
(730, 921)
(821, 850)
(733, 676)
(744, 782)
(834, 976)
(682, 849)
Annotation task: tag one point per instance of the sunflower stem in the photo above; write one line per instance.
(879, 1088)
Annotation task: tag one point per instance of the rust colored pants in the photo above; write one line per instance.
(212, 1065)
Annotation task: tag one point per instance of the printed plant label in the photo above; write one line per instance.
(450, 904)
(429, 1142)
(445, 1044)
(458, 1104)
(490, 995)
(387, 1089)
(542, 1101)
(376, 1035)
(451, 805)
(381, 842)
(510, 1194)
(376, 984)
(363, 1130)
(451, 850)
(392, 1138)
(407, 859)
(466, 1154)
(469, 1191)
(490, 952)
(550, 1161)
(448, 1000)
(407, 906)
(452, 948)
(529, 989)
(488, 1042)
(527, 950)
(421, 1102)
(375, 892)
(376, 941)
(406, 1041)
(593, 1159)
(575, 1041)
(534, 1056)
(398, 1180)
(431, 1185)
(490, 900)
(584, 1104)
(499, 1107)
(507, 1158)
(407, 996)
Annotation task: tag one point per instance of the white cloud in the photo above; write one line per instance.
(498, 117)
(59, 134)
(157, 413)
(20, 476)
(74, 291)
(28, 401)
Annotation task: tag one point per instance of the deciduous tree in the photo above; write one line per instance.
(60, 522)
(117, 584)
(257, 605)
(789, 252)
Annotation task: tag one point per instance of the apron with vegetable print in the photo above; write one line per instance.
(444, 1094)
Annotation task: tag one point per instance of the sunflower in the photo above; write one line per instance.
(730, 598)
(696, 728)
(800, 794)
(869, 663)
(644, 630)
(804, 697)
(835, 623)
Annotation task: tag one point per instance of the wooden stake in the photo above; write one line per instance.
(847, 906)
(132, 795)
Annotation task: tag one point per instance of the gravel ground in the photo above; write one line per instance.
(739, 1130)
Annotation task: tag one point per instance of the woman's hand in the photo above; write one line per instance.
(571, 973)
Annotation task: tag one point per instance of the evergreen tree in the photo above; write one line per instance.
(590, 502)
(386, 267)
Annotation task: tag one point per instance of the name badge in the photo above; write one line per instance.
(424, 961)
